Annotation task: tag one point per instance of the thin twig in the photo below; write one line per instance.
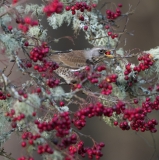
(154, 142)
(12, 7)
(144, 140)
(152, 155)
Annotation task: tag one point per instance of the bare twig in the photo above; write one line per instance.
(155, 147)
(12, 7)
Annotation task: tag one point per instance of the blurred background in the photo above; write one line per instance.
(119, 145)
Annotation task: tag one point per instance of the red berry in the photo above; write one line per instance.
(23, 144)
(108, 12)
(31, 142)
(81, 17)
(107, 27)
(115, 123)
(14, 124)
(94, 5)
(38, 90)
(34, 114)
(109, 33)
(62, 103)
(26, 43)
(85, 28)
(120, 5)
(10, 28)
(68, 8)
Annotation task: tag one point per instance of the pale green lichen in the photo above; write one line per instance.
(34, 9)
(57, 92)
(110, 120)
(75, 25)
(56, 156)
(155, 55)
(6, 18)
(36, 32)
(3, 123)
(4, 127)
(5, 105)
(119, 91)
(33, 101)
(9, 42)
(154, 52)
(57, 20)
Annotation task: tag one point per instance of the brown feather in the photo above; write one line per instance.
(74, 59)
(56, 59)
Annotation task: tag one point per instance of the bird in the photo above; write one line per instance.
(76, 60)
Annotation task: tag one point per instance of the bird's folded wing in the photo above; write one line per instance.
(74, 59)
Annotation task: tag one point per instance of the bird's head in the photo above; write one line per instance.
(97, 52)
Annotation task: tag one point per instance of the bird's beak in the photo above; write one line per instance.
(108, 54)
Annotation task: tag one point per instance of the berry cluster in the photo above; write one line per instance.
(54, 7)
(47, 69)
(137, 117)
(43, 149)
(146, 63)
(47, 66)
(81, 6)
(22, 93)
(112, 78)
(86, 74)
(2, 96)
(112, 35)
(61, 123)
(39, 52)
(79, 119)
(101, 68)
(113, 15)
(67, 141)
(93, 77)
(24, 23)
(52, 82)
(90, 76)
(130, 80)
(14, 118)
(30, 136)
(106, 87)
(91, 151)
(128, 69)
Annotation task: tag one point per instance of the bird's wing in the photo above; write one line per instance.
(55, 58)
(74, 59)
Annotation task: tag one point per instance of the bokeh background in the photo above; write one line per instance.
(119, 145)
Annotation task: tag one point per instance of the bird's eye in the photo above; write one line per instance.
(101, 51)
